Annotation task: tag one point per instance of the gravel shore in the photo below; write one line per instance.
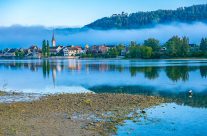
(73, 114)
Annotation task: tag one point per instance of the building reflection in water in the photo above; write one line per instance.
(174, 73)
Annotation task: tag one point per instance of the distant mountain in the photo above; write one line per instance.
(147, 19)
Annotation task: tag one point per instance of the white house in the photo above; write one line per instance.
(55, 50)
(69, 51)
(10, 53)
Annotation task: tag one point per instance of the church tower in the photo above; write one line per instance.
(53, 39)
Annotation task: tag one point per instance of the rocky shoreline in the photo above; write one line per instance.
(73, 114)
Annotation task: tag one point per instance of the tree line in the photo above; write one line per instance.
(144, 19)
(175, 47)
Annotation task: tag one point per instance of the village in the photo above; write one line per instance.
(151, 49)
(56, 51)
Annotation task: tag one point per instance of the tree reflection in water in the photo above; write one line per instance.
(174, 73)
(199, 99)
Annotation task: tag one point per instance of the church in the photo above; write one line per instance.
(54, 50)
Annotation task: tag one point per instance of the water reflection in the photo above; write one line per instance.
(199, 99)
(170, 79)
(178, 73)
(174, 73)
(203, 71)
(149, 72)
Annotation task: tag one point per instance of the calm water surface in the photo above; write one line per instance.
(166, 78)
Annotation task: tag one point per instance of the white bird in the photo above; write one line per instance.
(190, 92)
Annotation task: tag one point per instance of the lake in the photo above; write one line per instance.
(186, 115)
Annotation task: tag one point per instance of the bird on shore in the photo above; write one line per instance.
(190, 92)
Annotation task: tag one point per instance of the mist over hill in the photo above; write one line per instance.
(150, 19)
(19, 36)
(123, 28)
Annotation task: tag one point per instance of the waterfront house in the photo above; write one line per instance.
(33, 52)
(72, 51)
(69, 51)
(125, 51)
(163, 49)
(55, 50)
(6, 50)
(86, 49)
(102, 49)
(94, 49)
(64, 52)
(80, 49)
(10, 53)
(194, 47)
(1, 53)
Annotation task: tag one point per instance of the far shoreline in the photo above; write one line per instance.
(119, 58)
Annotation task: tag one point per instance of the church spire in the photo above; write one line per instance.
(53, 39)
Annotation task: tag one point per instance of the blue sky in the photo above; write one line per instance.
(73, 13)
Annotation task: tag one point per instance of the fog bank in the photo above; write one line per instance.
(19, 36)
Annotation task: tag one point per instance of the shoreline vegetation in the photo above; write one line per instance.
(74, 114)
(54, 58)
(175, 48)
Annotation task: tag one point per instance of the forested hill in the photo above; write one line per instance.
(146, 19)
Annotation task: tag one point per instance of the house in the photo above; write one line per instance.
(103, 49)
(72, 51)
(80, 50)
(194, 47)
(94, 49)
(6, 50)
(1, 53)
(55, 50)
(33, 52)
(123, 14)
(163, 49)
(33, 47)
(69, 51)
(10, 53)
(64, 52)
(125, 51)
(99, 49)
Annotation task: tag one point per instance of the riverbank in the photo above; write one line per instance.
(91, 58)
(73, 114)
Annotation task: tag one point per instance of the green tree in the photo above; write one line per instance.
(172, 46)
(203, 44)
(146, 52)
(119, 48)
(153, 43)
(178, 47)
(185, 48)
(48, 49)
(134, 51)
(19, 54)
(113, 53)
(44, 48)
